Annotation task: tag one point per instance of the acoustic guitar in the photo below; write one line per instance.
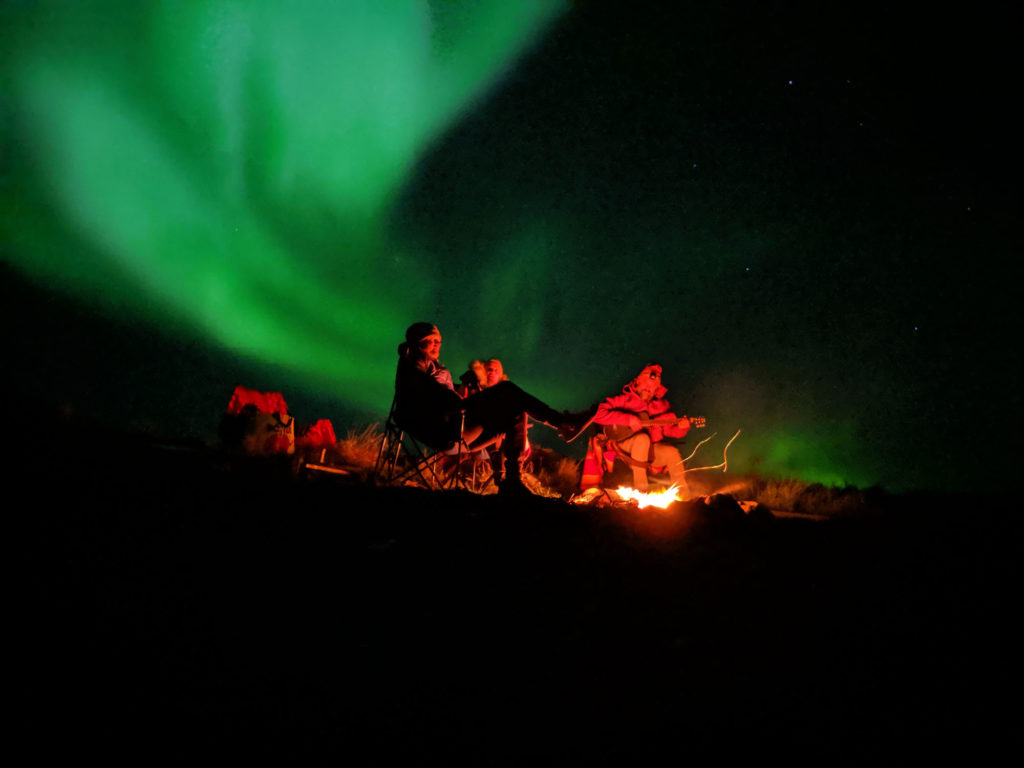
(623, 431)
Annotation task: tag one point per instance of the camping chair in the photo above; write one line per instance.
(403, 459)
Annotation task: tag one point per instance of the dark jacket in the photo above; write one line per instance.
(424, 406)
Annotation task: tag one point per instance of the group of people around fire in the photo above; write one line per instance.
(488, 411)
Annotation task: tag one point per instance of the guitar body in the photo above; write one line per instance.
(623, 432)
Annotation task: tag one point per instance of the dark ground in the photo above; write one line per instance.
(172, 605)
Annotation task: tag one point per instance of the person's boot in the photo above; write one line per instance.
(678, 479)
(513, 487)
(513, 448)
(497, 460)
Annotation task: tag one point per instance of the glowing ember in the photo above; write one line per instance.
(660, 499)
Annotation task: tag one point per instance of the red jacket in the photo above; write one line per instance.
(618, 409)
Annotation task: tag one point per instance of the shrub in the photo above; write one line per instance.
(359, 448)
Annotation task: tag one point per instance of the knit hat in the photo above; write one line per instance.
(417, 332)
(643, 380)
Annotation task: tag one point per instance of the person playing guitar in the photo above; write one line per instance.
(637, 421)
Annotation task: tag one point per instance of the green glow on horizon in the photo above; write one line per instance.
(812, 456)
(782, 435)
(230, 165)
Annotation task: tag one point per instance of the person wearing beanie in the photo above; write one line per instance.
(641, 446)
(427, 405)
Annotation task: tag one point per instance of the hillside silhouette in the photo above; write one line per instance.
(176, 603)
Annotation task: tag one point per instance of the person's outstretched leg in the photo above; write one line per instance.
(497, 408)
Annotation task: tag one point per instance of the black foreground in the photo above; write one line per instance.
(173, 604)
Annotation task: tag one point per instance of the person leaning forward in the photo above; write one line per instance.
(644, 397)
(427, 405)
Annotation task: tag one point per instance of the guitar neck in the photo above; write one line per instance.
(697, 422)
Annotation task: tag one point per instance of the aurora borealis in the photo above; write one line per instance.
(220, 174)
(806, 218)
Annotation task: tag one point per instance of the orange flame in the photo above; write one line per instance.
(660, 499)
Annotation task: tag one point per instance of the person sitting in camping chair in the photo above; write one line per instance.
(626, 420)
(473, 380)
(427, 405)
(494, 372)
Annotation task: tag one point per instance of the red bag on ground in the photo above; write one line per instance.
(319, 435)
(264, 402)
(258, 423)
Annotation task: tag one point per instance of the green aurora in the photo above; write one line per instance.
(292, 184)
(230, 164)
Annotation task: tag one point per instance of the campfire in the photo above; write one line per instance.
(660, 499)
(625, 495)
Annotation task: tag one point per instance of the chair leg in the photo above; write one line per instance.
(402, 459)
(387, 456)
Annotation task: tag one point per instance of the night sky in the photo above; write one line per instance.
(808, 215)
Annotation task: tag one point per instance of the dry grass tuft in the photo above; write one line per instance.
(801, 497)
(538, 487)
(359, 448)
(554, 471)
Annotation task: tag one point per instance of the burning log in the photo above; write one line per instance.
(626, 496)
(630, 498)
(659, 499)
